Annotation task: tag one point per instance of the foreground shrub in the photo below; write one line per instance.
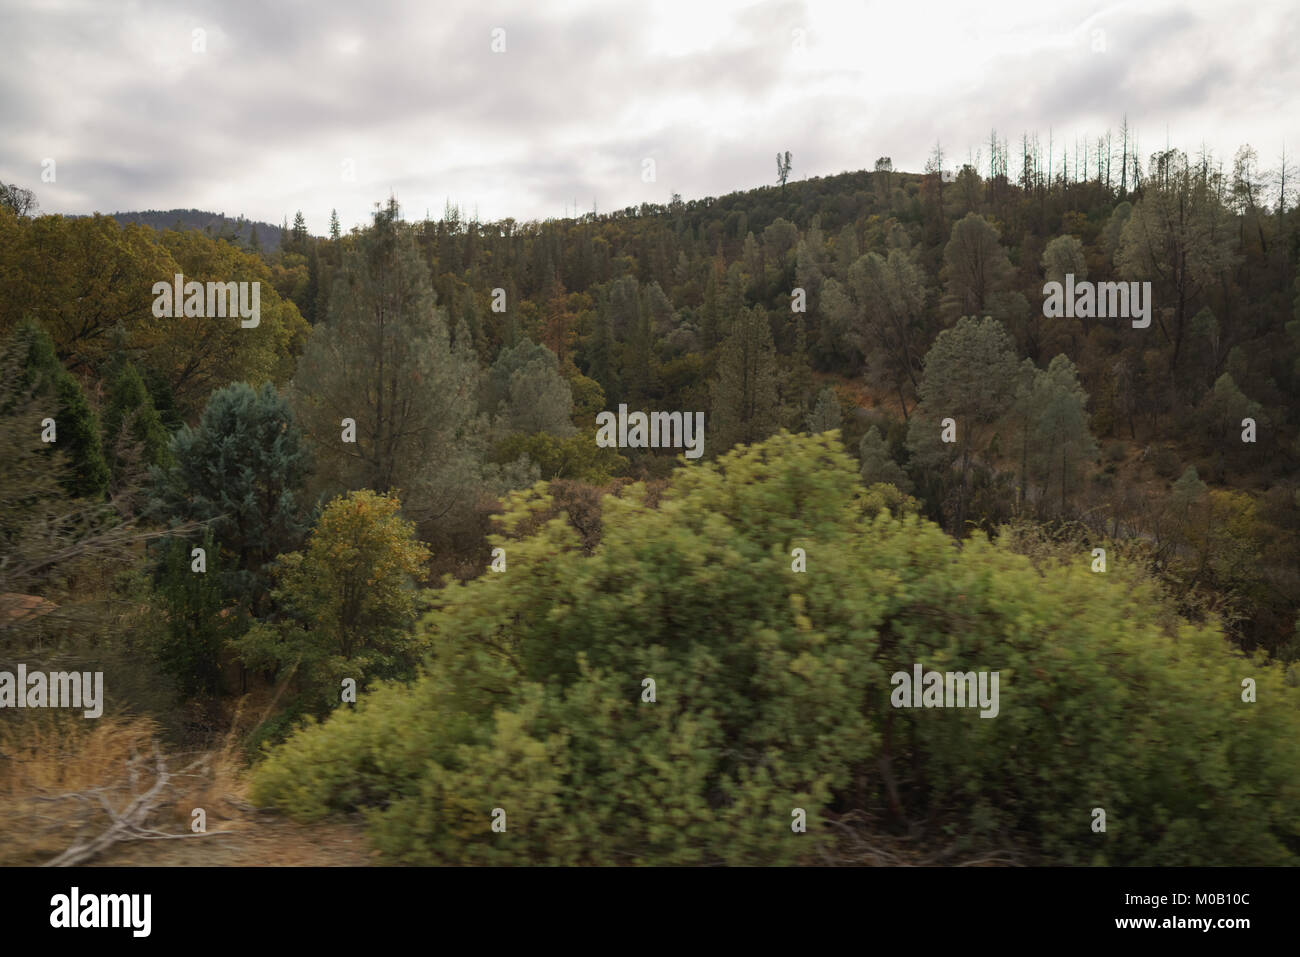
(773, 693)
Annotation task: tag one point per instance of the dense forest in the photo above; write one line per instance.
(370, 552)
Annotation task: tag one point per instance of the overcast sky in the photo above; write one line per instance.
(263, 121)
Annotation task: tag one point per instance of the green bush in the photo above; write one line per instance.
(773, 693)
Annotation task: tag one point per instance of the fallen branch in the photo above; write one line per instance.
(128, 824)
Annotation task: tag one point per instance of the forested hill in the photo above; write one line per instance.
(396, 473)
(877, 302)
(237, 230)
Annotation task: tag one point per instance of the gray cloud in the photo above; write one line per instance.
(261, 122)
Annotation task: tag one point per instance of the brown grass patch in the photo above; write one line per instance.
(64, 780)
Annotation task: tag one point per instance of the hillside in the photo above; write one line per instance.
(397, 513)
(217, 225)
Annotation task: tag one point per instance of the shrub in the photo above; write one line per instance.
(773, 693)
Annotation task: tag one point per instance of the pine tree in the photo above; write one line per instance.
(878, 465)
(335, 230)
(241, 472)
(825, 416)
(638, 355)
(1059, 442)
(524, 387)
(970, 377)
(299, 233)
(312, 293)
(193, 631)
(134, 436)
(601, 360)
(77, 427)
(384, 359)
(746, 404)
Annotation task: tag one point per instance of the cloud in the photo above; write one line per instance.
(262, 119)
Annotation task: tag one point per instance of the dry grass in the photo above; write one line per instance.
(64, 781)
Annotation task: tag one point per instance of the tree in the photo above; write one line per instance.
(1247, 193)
(384, 359)
(335, 230)
(576, 457)
(21, 201)
(890, 318)
(1113, 232)
(348, 601)
(298, 235)
(134, 436)
(782, 168)
(932, 188)
(878, 466)
(1058, 439)
(602, 364)
(746, 405)
(975, 266)
(558, 326)
(524, 387)
(825, 416)
(1221, 413)
(76, 425)
(1179, 237)
(780, 239)
(883, 177)
(241, 473)
(1064, 256)
(194, 623)
(970, 377)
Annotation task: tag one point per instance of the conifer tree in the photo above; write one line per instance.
(825, 415)
(134, 435)
(77, 429)
(384, 360)
(970, 378)
(193, 630)
(241, 472)
(877, 465)
(745, 393)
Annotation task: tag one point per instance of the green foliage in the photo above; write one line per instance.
(745, 393)
(134, 435)
(888, 323)
(575, 457)
(825, 416)
(975, 266)
(195, 624)
(877, 464)
(1223, 410)
(1064, 256)
(773, 693)
(241, 473)
(77, 426)
(970, 377)
(1057, 441)
(525, 387)
(384, 359)
(347, 602)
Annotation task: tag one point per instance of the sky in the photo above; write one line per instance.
(534, 109)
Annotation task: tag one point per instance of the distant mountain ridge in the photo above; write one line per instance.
(217, 225)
